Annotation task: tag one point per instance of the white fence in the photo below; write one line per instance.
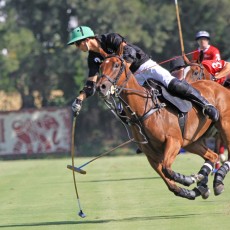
(35, 131)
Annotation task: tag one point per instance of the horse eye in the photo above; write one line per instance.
(196, 72)
(116, 65)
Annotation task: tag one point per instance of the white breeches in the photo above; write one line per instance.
(151, 69)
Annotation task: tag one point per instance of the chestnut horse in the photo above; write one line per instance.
(156, 129)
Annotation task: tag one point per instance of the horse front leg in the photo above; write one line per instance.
(171, 151)
(178, 191)
(182, 179)
(163, 167)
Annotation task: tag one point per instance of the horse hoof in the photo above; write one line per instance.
(204, 192)
(218, 189)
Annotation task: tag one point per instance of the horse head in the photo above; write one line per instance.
(110, 72)
(111, 77)
(116, 82)
(197, 72)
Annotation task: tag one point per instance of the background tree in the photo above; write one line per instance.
(34, 55)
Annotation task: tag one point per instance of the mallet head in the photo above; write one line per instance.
(75, 169)
(81, 214)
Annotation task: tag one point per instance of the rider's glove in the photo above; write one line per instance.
(76, 106)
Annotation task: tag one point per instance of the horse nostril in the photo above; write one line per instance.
(103, 86)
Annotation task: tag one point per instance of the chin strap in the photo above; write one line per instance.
(87, 46)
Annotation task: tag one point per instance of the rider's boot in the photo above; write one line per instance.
(183, 89)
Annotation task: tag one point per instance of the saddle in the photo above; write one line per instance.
(182, 105)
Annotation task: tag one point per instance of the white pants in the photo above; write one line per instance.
(151, 69)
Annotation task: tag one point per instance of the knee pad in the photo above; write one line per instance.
(89, 88)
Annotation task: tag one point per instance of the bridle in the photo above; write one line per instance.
(197, 75)
(116, 79)
(115, 93)
(200, 75)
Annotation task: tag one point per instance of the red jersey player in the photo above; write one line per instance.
(219, 69)
(210, 52)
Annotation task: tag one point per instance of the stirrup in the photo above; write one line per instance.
(205, 108)
(210, 112)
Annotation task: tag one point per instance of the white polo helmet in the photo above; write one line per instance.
(201, 34)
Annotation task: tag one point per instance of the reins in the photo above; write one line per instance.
(117, 90)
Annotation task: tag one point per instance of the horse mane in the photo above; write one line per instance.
(119, 51)
(103, 53)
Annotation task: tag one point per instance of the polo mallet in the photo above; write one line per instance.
(179, 27)
(81, 214)
(79, 170)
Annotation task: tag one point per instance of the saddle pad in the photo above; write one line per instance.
(182, 105)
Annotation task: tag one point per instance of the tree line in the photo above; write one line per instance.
(34, 55)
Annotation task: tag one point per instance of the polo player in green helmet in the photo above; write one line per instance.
(140, 64)
(79, 34)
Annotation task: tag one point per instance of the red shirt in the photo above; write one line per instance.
(211, 53)
(215, 67)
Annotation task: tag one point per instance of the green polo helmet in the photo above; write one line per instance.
(80, 33)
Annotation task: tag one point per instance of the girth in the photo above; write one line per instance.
(183, 106)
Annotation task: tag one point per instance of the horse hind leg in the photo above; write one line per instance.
(218, 184)
(210, 157)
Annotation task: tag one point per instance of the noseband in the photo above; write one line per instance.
(122, 69)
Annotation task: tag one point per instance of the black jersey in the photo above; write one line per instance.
(110, 44)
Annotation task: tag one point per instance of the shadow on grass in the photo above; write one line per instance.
(106, 221)
(123, 179)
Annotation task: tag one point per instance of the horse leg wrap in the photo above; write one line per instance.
(218, 185)
(220, 174)
(185, 193)
(177, 177)
(203, 191)
(205, 171)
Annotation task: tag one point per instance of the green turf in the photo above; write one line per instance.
(117, 193)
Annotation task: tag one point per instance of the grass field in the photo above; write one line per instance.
(117, 193)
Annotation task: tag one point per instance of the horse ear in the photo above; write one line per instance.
(201, 56)
(103, 53)
(120, 50)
